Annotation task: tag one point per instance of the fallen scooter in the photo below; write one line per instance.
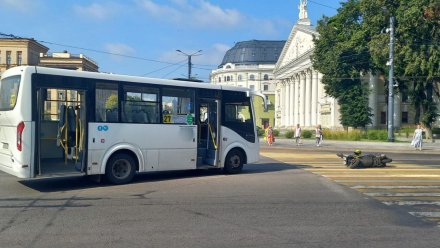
(357, 160)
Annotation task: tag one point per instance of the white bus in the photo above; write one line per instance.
(57, 122)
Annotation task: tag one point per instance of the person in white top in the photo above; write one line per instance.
(318, 135)
(417, 140)
(297, 134)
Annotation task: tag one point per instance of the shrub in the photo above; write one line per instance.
(307, 134)
(354, 135)
(372, 135)
(289, 134)
(260, 132)
(377, 134)
(276, 132)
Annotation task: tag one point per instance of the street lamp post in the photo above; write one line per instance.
(391, 84)
(189, 60)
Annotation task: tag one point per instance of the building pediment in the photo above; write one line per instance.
(300, 43)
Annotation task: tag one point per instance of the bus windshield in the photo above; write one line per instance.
(8, 92)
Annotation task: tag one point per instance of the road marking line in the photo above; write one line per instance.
(380, 175)
(388, 181)
(401, 194)
(394, 187)
(426, 214)
(411, 203)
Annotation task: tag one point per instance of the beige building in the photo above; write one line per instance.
(68, 61)
(20, 51)
(16, 52)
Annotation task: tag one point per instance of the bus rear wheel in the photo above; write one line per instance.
(120, 168)
(234, 162)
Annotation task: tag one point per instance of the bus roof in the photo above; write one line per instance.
(118, 77)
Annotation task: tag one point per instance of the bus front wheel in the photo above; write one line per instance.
(120, 168)
(234, 162)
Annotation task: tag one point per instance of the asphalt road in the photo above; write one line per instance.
(274, 203)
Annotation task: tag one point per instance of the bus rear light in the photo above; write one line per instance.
(20, 128)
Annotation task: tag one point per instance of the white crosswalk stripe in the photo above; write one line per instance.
(411, 203)
(414, 186)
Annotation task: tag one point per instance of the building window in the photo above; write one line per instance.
(266, 77)
(232, 78)
(405, 117)
(19, 58)
(252, 77)
(8, 57)
(219, 79)
(240, 78)
(383, 117)
(252, 87)
(404, 97)
(228, 78)
(265, 87)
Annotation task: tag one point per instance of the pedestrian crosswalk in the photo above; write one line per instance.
(413, 186)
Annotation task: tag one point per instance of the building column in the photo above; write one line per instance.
(302, 109)
(308, 98)
(321, 95)
(372, 98)
(287, 103)
(281, 103)
(292, 102)
(314, 97)
(296, 100)
(277, 104)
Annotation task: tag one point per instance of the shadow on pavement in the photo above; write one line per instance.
(60, 184)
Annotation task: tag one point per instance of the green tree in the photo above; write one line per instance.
(417, 50)
(353, 42)
(341, 54)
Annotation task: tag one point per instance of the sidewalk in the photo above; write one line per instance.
(428, 146)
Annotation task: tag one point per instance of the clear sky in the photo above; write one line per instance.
(148, 32)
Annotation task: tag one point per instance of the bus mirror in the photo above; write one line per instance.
(258, 93)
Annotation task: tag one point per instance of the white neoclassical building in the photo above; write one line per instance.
(300, 97)
(250, 64)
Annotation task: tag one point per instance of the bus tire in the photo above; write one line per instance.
(234, 162)
(120, 168)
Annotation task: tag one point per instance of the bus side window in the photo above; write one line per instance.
(106, 103)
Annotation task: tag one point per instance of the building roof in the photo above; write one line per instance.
(254, 52)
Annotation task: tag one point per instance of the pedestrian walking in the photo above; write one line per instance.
(417, 140)
(297, 134)
(318, 135)
(270, 135)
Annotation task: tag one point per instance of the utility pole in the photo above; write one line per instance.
(189, 60)
(391, 84)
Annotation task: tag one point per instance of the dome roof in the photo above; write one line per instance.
(254, 52)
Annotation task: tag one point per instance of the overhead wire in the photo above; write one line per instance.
(163, 68)
(104, 52)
